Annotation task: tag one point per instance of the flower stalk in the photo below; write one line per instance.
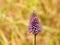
(34, 39)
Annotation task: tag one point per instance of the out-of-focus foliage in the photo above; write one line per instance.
(14, 21)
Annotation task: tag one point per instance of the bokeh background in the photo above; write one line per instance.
(14, 22)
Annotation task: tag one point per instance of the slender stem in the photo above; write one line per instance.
(34, 39)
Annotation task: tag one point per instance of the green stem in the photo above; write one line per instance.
(34, 39)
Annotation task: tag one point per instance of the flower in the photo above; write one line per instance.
(34, 26)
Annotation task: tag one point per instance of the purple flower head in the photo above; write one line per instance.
(34, 26)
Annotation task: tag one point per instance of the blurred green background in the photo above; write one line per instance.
(14, 22)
